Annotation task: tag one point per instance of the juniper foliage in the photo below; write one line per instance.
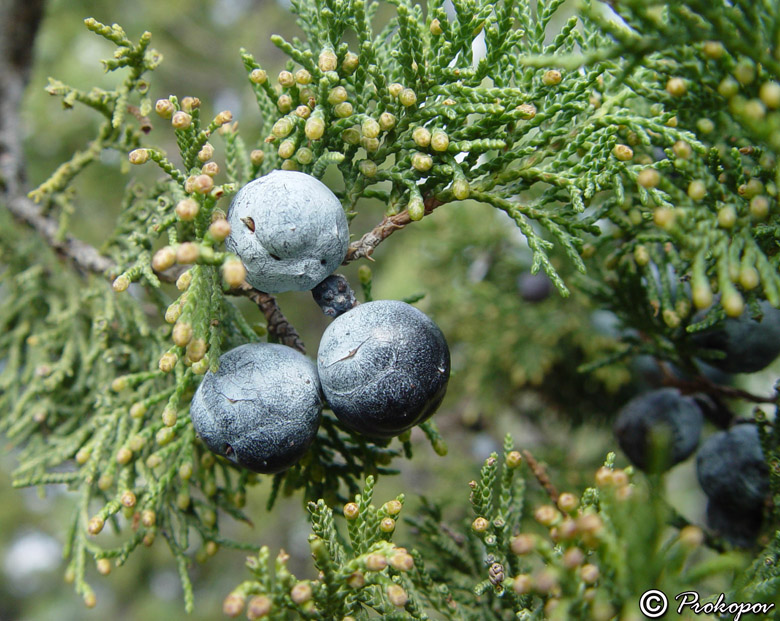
(588, 557)
(642, 147)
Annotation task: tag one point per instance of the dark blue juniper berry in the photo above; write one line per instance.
(384, 367)
(731, 469)
(659, 429)
(740, 527)
(534, 287)
(289, 230)
(748, 345)
(261, 409)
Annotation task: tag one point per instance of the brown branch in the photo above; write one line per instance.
(278, 326)
(702, 384)
(83, 255)
(365, 246)
(541, 475)
(144, 121)
(88, 259)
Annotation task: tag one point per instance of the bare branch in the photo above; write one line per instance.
(278, 325)
(366, 245)
(84, 256)
(88, 259)
(705, 385)
(541, 475)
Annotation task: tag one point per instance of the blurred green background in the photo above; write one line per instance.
(514, 361)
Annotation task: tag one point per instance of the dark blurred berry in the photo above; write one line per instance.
(659, 429)
(607, 323)
(714, 410)
(731, 469)
(534, 287)
(748, 345)
(647, 370)
(659, 154)
(715, 375)
(334, 295)
(740, 527)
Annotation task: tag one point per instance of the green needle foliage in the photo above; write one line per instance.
(645, 146)
(585, 557)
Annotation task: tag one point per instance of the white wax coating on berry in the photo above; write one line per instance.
(289, 230)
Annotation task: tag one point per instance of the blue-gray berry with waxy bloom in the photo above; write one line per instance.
(261, 409)
(384, 367)
(289, 230)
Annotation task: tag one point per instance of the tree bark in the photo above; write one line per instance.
(19, 22)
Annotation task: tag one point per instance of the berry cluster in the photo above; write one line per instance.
(382, 366)
(661, 428)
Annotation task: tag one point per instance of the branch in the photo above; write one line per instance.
(19, 21)
(366, 245)
(703, 384)
(83, 255)
(88, 259)
(541, 475)
(278, 326)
